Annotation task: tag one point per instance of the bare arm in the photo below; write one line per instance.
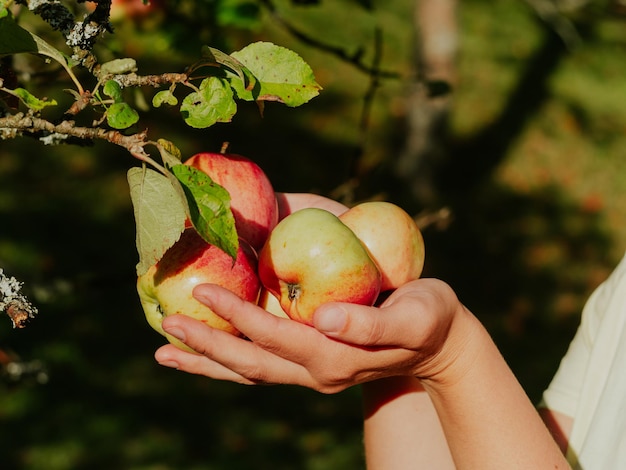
(477, 386)
(402, 429)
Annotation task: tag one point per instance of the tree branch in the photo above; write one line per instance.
(20, 123)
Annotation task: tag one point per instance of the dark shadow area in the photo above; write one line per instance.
(524, 264)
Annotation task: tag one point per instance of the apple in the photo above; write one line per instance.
(393, 239)
(167, 287)
(271, 304)
(134, 9)
(311, 258)
(129, 9)
(253, 200)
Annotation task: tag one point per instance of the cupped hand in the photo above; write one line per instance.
(349, 344)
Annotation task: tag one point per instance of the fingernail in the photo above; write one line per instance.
(330, 320)
(176, 332)
(169, 363)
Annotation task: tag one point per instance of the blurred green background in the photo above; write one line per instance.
(533, 179)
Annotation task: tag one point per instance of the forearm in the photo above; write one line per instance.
(401, 427)
(488, 420)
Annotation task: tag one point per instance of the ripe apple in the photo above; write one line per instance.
(392, 238)
(130, 9)
(253, 201)
(271, 304)
(166, 288)
(311, 258)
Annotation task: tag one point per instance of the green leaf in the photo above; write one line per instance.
(30, 100)
(13, 38)
(212, 56)
(117, 67)
(209, 208)
(281, 73)
(160, 214)
(113, 90)
(164, 96)
(170, 154)
(214, 102)
(121, 116)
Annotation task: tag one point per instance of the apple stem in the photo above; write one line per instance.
(293, 291)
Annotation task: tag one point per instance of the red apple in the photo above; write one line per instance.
(392, 238)
(134, 9)
(253, 201)
(311, 258)
(129, 9)
(166, 288)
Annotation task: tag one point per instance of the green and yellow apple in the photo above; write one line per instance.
(393, 239)
(167, 287)
(253, 201)
(311, 258)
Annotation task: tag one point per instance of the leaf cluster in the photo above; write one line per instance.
(165, 195)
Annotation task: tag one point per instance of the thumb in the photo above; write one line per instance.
(415, 316)
(366, 326)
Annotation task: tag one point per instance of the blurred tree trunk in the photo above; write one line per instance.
(438, 170)
(429, 101)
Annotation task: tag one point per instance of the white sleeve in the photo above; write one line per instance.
(563, 393)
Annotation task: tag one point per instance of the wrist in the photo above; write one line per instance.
(465, 340)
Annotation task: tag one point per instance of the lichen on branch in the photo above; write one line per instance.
(15, 304)
(80, 35)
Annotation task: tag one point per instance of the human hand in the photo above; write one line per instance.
(349, 344)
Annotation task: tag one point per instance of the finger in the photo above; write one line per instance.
(291, 202)
(414, 317)
(243, 357)
(286, 338)
(171, 356)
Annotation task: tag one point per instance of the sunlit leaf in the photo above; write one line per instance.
(214, 102)
(160, 214)
(30, 100)
(170, 154)
(121, 116)
(281, 73)
(164, 97)
(209, 208)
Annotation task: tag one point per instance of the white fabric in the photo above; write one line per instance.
(590, 384)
